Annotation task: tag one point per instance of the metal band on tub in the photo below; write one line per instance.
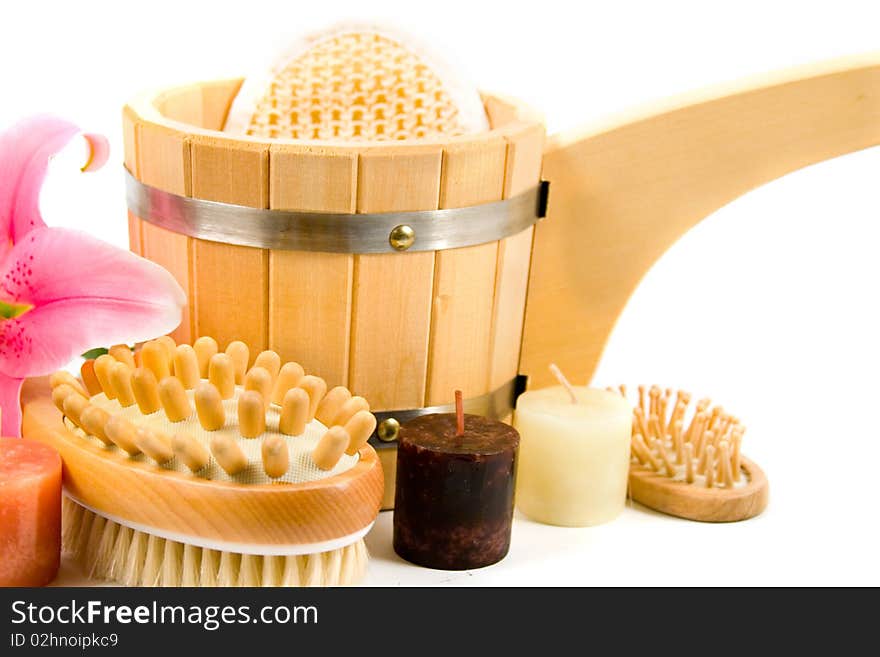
(329, 232)
(495, 405)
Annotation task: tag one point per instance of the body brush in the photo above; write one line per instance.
(195, 467)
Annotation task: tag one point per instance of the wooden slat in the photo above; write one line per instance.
(391, 311)
(231, 282)
(525, 143)
(217, 97)
(135, 234)
(130, 121)
(310, 293)
(183, 104)
(163, 161)
(464, 279)
(501, 111)
(129, 144)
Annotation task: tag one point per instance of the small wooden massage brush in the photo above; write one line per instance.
(190, 466)
(688, 462)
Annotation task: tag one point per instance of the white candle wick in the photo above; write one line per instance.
(565, 384)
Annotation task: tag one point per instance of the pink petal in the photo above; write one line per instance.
(10, 406)
(85, 293)
(99, 151)
(25, 150)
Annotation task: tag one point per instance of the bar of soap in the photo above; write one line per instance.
(30, 512)
(453, 504)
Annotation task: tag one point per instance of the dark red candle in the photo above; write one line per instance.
(453, 504)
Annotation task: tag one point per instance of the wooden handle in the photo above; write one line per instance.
(621, 194)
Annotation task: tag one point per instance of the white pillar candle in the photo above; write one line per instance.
(574, 457)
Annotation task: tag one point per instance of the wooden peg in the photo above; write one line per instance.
(664, 457)
(170, 347)
(93, 419)
(73, 406)
(317, 388)
(120, 381)
(154, 444)
(90, 381)
(190, 451)
(288, 377)
(736, 458)
(698, 426)
(689, 463)
(186, 366)
(174, 399)
(359, 428)
(677, 442)
(654, 394)
(221, 373)
(205, 347)
(639, 452)
(122, 433)
(726, 475)
(638, 440)
(349, 408)
(640, 418)
(332, 403)
(276, 458)
(154, 357)
(259, 379)
(146, 390)
(103, 364)
(251, 414)
(330, 448)
(710, 466)
(228, 454)
(209, 406)
(294, 412)
(240, 354)
(702, 447)
(62, 376)
(123, 354)
(60, 393)
(270, 361)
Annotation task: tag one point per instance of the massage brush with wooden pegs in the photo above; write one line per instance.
(689, 463)
(185, 466)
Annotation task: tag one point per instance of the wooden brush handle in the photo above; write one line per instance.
(623, 193)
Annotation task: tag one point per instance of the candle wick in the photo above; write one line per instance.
(459, 414)
(565, 384)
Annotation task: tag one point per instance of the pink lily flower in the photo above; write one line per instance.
(61, 291)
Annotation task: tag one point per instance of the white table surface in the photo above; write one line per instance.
(641, 547)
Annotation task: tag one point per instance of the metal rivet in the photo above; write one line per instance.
(388, 430)
(402, 237)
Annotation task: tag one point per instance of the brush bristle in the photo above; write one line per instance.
(699, 446)
(109, 551)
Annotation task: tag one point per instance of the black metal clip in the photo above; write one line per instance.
(543, 198)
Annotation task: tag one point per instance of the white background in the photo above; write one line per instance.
(770, 306)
